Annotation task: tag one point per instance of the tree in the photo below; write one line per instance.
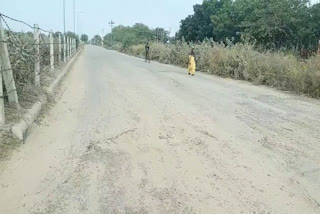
(270, 23)
(161, 35)
(84, 38)
(276, 23)
(314, 25)
(199, 26)
(128, 36)
(225, 22)
(96, 40)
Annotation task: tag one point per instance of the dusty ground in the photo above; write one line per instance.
(129, 137)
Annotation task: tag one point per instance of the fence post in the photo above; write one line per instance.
(51, 52)
(37, 47)
(59, 41)
(7, 70)
(2, 116)
(72, 46)
(71, 41)
(64, 48)
(69, 47)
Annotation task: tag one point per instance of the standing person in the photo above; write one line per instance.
(192, 63)
(147, 48)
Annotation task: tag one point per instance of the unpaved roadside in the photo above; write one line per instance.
(130, 137)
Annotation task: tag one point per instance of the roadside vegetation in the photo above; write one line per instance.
(272, 43)
(22, 55)
(242, 61)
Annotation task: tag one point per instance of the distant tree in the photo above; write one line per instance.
(127, 36)
(56, 34)
(84, 38)
(160, 34)
(96, 40)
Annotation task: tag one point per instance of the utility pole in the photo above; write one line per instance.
(74, 17)
(78, 22)
(111, 23)
(64, 16)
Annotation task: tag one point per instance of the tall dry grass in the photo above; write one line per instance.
(241, 61)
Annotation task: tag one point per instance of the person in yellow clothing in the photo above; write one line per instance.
(192, 63)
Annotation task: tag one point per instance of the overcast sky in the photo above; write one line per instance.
(94, 15)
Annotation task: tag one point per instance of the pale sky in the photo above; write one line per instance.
(95, 14)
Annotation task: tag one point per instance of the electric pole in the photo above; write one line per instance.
(111, 23)
(79, 22)
(64, 16)
(74, 17)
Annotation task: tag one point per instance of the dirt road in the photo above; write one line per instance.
(126, 136)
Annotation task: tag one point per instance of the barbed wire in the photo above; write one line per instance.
(23, 54)
(18, 40)
(23, 22)
(16, 20)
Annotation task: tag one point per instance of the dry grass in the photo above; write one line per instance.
(242, 61)
(7, 145)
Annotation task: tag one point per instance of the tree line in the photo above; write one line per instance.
(270, 23)
(137, 34)
(127, 36)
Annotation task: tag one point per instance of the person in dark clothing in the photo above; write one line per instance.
(147, 48)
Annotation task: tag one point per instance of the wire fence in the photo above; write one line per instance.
(23, 54)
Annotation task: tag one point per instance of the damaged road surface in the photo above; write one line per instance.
(126, 136)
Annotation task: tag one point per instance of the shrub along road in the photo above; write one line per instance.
(125, 136)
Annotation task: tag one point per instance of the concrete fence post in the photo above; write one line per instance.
(64, 48)
(36, 36)
(6, 70)
(51, 52)
(2, 115)
(73, 46)
(59, 43)
(67, 47)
